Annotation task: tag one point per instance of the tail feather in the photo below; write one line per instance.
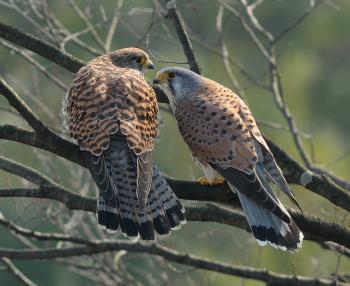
(269, 229)
(118, 206)
(273, 172)
(269, 220)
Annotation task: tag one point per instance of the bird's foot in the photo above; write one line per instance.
(215, 181)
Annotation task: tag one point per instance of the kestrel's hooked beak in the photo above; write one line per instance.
(159, 79)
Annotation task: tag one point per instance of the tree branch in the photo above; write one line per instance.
(169, 254)
(16, 272)
(182, 35)
(21, 107)
(313, 227)
(41, 235)
(40, 47)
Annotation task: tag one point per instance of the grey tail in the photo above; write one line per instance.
(269, 220)
(269, 229)
(118, 207)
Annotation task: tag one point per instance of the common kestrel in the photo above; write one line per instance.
(111, 112)
(225, 141)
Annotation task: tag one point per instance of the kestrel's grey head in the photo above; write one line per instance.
(177, 83)
(132, 58)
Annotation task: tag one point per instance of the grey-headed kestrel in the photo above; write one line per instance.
(225, 141)
(112, 115)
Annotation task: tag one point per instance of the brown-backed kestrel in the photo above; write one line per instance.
(111, 112)
(225, 141)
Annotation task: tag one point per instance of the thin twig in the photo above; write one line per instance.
(113, 26)
(87, 22)
(41, 235)
(40, 67)
(17, 273)
(225, 53)
(297, 21)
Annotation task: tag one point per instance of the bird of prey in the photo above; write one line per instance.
(111, 112)
(226, 143)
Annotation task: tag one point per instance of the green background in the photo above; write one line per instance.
(314, 63)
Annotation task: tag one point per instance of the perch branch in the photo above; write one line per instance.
(169, 254)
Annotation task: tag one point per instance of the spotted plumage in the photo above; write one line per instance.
(225, 141)
(112, 115)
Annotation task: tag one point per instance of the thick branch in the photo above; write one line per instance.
(294, 172)
(48, 141)
(22, 108)
(182, 35)
(319, 184)
(40, 47)
(169, 254)
(313, 227)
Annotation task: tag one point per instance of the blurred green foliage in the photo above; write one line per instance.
(314, 61)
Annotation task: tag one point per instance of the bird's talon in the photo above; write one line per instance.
(216, 181)
(203, 181)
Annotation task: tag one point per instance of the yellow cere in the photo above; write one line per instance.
(162, 77)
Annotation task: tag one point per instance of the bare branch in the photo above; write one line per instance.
(21, 107)
(113, 26)
(225, 53)
(182, 35)
(336, 247)
(249, 30)
(40, 47)
(17, 273)
(24, 172)
(297, 21)
(40, 67)
(41, 235)
(294, 172)
(87, 22)
(313, 227)
(169, 254)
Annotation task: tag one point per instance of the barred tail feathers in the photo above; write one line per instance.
(269, 220)
(268, 228)
(162, 213)
(118, 206)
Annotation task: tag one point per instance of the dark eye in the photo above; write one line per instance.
(139, 60)
(171, 75)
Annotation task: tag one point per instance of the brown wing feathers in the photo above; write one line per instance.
(112, 114)
(221, 132)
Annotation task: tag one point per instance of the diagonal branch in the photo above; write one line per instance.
(297, 21)
(87, 22)
(31, 60)
(17, 273)
(42, 235)
(113, 26)
(182, 35)
(169, 254)
(22, 107)
(40, 47)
